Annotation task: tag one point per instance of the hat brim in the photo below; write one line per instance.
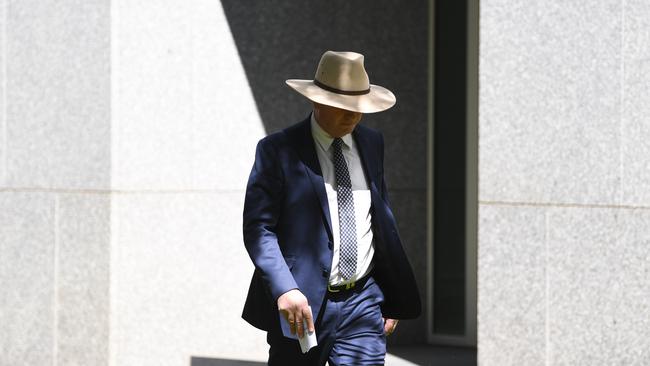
(377, 100)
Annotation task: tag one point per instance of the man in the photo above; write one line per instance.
(320, 231)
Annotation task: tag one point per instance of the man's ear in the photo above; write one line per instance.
(317, 107)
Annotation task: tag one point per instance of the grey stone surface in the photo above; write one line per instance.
(184, 116)
(635, 132)
(27, 279)
(598, 272)
(550, 81)
(632, 274)
(562, 120)
(405, 141)
(511, 286)
(179, 277)
(584, 286)
(3, 89)
(83, 279)
(409, 208)
(58, 94)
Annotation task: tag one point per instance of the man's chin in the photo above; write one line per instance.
(349, 130)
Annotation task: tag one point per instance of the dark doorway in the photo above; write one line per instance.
(454, 147)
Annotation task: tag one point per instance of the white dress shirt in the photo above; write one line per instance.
(360, 194)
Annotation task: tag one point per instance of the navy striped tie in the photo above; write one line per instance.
(347, 226)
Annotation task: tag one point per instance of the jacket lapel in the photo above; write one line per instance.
(303, 143)
(368, 159)
(301, 139)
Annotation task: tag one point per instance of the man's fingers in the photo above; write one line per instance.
(389, 325)
(299, 324)
(285, 314)
(292, 323)
(308, 317)
(294, 308)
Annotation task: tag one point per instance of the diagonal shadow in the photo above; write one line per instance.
(284, 39)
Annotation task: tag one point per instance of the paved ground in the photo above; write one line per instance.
(398, 356)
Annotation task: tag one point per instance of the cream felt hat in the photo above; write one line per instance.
(341, 81)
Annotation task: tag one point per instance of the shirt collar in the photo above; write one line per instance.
(323, 138)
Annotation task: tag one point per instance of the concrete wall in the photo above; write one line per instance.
(564, 254)
(127, 134)
(124, 156)
(54, 174)
(183, 130)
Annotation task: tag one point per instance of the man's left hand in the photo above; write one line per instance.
(389, 325)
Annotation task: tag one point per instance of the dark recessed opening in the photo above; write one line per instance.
(450, 146)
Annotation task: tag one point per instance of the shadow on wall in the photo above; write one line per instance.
(280, 39)
(284, 39)
(200, 361)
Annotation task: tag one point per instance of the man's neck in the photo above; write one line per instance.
(324, 127)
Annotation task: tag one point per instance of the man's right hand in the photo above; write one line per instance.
(294, 307)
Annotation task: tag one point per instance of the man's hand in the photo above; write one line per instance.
(294, 307)
(390, 325)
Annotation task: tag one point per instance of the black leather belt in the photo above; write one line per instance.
(348, 286)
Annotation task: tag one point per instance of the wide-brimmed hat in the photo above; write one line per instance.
(341, 81)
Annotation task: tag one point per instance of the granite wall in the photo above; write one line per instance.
(127, 133)
(564, 204)
(55, 165)
(123, 159)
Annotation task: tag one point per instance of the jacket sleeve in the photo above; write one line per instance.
(262, 206)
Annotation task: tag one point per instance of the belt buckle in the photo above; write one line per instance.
(331, 289)
(348, 286)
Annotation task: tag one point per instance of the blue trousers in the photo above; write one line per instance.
(350, 331)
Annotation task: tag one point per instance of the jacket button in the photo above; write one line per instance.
(330, 245)
(325, 273)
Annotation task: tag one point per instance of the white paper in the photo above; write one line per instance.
(307, 342)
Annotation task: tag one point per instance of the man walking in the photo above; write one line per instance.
(319, 228)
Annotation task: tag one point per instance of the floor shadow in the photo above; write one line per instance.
(424, 355)
(427, 355)
(204, 361)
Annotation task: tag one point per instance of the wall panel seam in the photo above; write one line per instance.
(562, 205)
(55, 327)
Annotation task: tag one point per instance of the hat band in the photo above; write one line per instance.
(339, 91)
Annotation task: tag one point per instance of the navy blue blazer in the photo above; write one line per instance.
(288, 231)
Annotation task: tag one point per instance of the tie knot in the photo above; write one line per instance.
(337, 143)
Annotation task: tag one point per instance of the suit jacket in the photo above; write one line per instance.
(288, 232)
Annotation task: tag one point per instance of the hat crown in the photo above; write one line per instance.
(343, 71)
